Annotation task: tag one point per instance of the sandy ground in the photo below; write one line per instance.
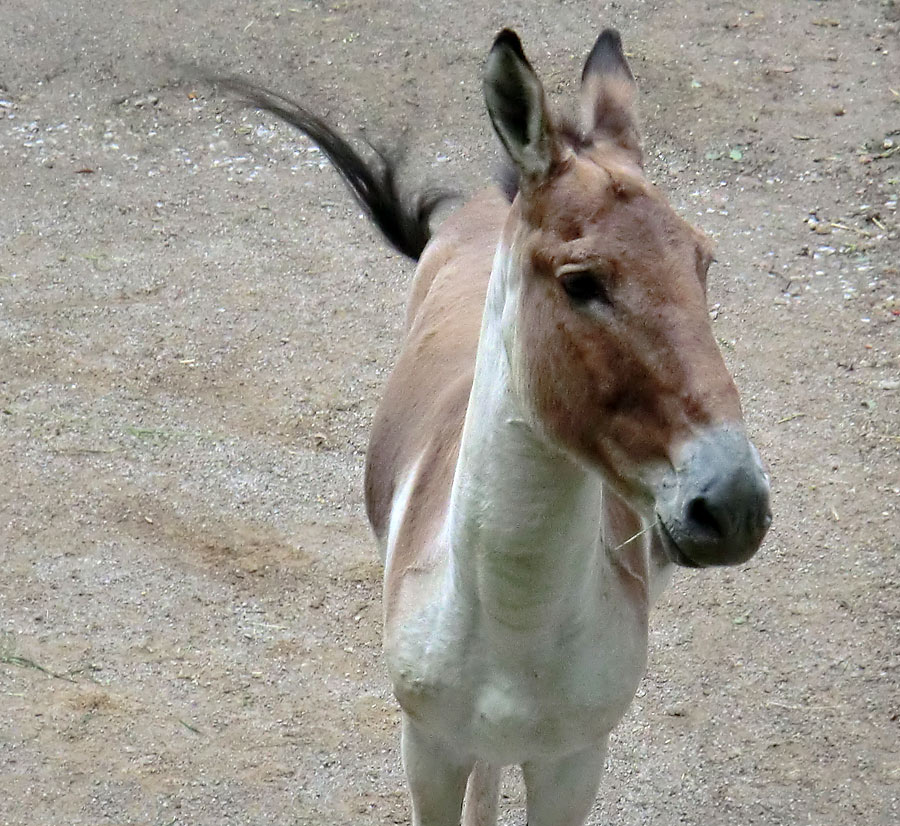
(195, 324)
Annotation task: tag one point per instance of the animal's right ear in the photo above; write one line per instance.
(518, 109)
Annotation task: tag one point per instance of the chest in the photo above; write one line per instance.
(507, 695)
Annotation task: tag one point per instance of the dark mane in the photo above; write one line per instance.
(403, 220)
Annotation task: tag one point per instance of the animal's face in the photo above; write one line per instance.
(613, 348)
(606, 323)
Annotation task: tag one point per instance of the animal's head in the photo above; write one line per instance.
(605, 319)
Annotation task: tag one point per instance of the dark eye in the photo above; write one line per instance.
(583, 286)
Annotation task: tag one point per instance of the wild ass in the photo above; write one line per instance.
(559, 429)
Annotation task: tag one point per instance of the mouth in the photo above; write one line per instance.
(670, 546)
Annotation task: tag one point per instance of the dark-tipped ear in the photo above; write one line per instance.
(518, 108)
(608, 94)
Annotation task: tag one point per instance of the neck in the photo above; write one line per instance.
(524, 525)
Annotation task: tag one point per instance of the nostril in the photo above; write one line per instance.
(700, 515)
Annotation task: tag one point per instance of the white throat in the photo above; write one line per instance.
(524, 524)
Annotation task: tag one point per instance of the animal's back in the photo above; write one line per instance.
(420, 418)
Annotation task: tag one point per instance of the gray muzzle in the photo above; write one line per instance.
(714, 505)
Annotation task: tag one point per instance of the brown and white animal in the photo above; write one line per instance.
(559, 429)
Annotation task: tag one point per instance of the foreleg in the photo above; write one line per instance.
(561, 792)
(437, 777)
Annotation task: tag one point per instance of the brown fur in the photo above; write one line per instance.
(633, 389)
(429, 405)
(620, 388)
(642, 380)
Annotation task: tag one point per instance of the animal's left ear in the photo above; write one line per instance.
(608, 94)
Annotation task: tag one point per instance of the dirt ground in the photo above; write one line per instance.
(195, 326)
